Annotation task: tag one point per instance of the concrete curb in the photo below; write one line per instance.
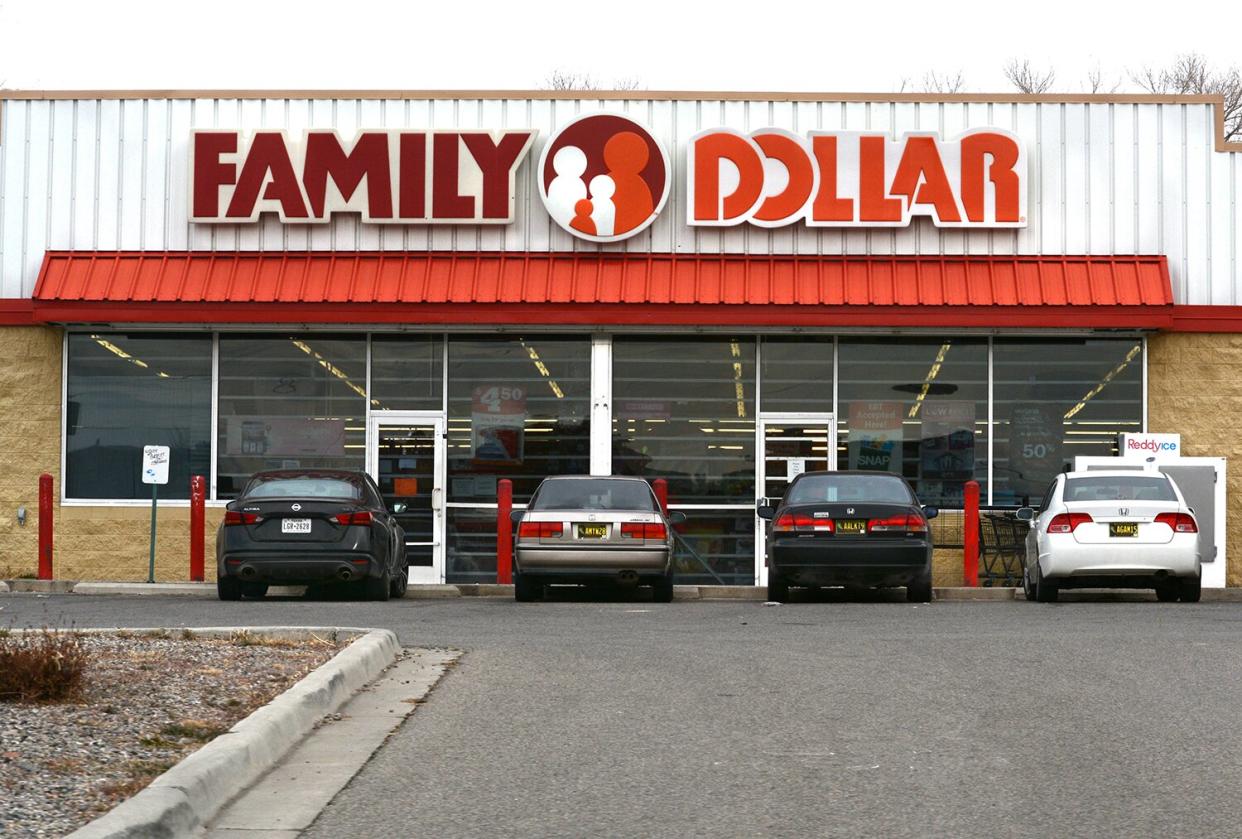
(4, 587)
(184, 589)
(961, 594)
(42, 586)
(187, 796)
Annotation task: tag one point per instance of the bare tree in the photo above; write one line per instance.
(1191, 73)
(1095, 82)
(1027, 79)
(934, 82)
(569, 80)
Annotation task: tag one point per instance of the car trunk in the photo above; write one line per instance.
(595, 527)
(314, 521)
(1122, 522)
(849, 521)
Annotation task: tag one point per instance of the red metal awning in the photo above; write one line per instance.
(604, 289)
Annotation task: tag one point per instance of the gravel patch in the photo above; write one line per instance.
(147, 703)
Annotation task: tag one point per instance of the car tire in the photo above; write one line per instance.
(377, 588)
(1191, 589)
(920, 590)
(1028, 590)
(228, 588)
(1168, 591)
(662, 589)
(778, 589)
(526, 589)
(256, 591)
(1046, 591)
(400, 581)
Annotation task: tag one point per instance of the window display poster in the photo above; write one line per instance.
(875, 436)
(947, 444)
(1036, 451)
(283, 436)
(498, 423)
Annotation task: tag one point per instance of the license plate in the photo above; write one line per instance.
(592, 531)
(1123, 528)
(852, 527)
(295, 526)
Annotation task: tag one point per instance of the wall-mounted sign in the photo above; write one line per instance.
(389, 177)
(772, 178)
(603, 177)
(1156, 447)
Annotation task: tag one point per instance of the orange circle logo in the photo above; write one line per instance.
(603, 177)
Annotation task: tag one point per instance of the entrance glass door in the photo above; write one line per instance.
(405, 456)
(790, 444)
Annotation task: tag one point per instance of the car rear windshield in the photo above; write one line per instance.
(883, 489)
(593, 495)
(1119, 488)
(304, 486)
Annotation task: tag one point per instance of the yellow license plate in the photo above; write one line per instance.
(592, 531)
(1123, 528)
(851, 527)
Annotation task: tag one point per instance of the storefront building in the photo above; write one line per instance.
(717, 290)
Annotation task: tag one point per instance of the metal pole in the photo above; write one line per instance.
(198, 499)
(970, 534)
(504, 531)
(45, 527)
(151, 566)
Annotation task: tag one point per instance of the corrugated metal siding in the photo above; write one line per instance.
(1106, 178)
(591, 278)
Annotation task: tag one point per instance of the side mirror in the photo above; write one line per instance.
(676, 517)
(931, 512)
(1025, 514)
(400, 507)
(766, 511)
(516, 516)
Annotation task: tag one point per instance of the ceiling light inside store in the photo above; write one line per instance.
(739, 388)
(120, 353)
(928, 379)
(543, 370)
(1108, 377)
(332, 368)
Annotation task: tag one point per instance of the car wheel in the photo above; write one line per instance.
(920, 590)
(1028, 590)
(401, 580)
(778, 589)
(228, 588)
(1168, 591)
(255, 590)
(1046, 591)
(377, 588)
(662, 589)
(526, 588)
(1191, 589)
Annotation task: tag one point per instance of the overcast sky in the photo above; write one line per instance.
(820, 46)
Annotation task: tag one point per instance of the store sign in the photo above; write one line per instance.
(389, 177)
(875, 436)
(1157, 447)
(772, 178)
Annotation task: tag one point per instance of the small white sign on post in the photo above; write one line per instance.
(155, 464)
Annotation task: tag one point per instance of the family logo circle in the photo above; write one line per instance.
(603, 177)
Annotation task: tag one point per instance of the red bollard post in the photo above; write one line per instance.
(661, 491)
(45, 526)
(504, 531)
(970, 534)
(198, 502)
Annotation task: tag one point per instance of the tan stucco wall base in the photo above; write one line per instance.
(1194, 388)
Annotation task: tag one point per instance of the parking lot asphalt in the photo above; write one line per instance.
(837, 717)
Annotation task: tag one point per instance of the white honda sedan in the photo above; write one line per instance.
(1112, 529)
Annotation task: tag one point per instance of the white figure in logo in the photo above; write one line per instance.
(603, 211)
(567, 188)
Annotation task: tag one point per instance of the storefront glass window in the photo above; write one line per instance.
(918, 408)
(518, 409)
(128, 391)
(1057, 398)
(289, 402)
(407, 372)
(796, 374)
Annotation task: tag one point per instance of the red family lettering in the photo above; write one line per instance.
(389, 177)
(772, 178)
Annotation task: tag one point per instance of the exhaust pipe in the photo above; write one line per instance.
(628, 578)
(248, 572)
(345, 574)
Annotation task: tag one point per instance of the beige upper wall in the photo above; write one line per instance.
(93, 170)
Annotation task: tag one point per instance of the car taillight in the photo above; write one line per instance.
(636, 530)
(790, 523)
(236, 517)
(1068, 522)
(541, 529)
(362, 517)
(1179, 522)
(903, 523)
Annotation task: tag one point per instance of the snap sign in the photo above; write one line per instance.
(155, 464)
